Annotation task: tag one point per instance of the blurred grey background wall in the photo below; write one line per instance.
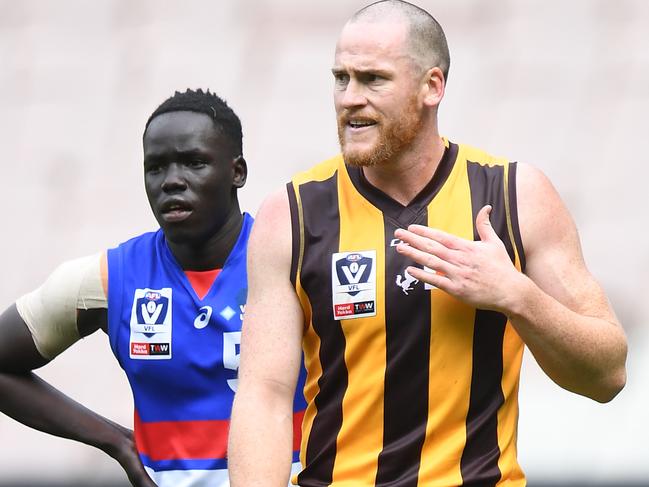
(562, 85)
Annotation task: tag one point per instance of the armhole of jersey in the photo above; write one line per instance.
(296, 233)
(512, 204)
(115, 294)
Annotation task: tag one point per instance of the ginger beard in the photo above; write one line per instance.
(394, 135)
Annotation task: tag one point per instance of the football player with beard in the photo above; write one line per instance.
(412, 270)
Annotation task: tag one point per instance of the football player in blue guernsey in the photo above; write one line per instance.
(170, 301)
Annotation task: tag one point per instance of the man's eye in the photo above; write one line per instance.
(341, 78)
(196, 163)
(152, 168)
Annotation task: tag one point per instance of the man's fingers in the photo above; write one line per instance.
(446, 239)
(429, 241)
(437, 279)
(426, 258)
(483, 224)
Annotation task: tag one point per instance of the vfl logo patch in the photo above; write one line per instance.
(353, 271)
(152, 308)
(353, 282)
(151, 324)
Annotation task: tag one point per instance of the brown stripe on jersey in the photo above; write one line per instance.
(406, 375)
(513, 211)
(487, 188)
(296, 233)
(479, 463)
(321, 237)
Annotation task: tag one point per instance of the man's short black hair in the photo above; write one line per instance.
(211, 105)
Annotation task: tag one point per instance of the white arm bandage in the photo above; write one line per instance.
(50, 312)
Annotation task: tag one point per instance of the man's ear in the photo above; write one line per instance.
(240, 168)
(435, 86)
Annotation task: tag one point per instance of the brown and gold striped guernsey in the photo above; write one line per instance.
(406, 385)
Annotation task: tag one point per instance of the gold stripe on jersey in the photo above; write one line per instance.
(362, 429)
(448, 368)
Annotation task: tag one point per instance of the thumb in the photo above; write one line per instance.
(483, 225)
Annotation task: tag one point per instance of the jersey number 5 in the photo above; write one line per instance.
(231, 350)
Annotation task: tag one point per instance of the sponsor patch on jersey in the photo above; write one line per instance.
(151, 324)
(353, 283)
(429, 287)
(406, 282)
(203, 318)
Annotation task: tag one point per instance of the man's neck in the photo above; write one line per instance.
(212, 252)
(403, 177)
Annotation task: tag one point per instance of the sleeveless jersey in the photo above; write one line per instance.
(181, 355)
(406, 385)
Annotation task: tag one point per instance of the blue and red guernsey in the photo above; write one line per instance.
(181, 355)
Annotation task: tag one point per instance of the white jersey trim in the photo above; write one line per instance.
(199, 478)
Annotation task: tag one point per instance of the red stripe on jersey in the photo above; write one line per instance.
(297, 429)
(176, 440)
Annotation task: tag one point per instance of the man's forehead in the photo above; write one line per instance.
(180, 124)
(373, 46)
(382, 38)
(182, 132)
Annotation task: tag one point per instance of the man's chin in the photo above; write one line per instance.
(358, 162)
(366, 158)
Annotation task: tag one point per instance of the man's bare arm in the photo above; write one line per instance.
(558, 309)
(35, 403)
(260, 443)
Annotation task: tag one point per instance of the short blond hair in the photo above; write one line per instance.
(426, 37)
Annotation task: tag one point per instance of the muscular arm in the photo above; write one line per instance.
(33, 402)
(558, 309)
(563, 314)
(260, 440)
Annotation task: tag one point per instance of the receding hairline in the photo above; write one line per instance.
(427, 41)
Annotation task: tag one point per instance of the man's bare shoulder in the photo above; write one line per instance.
(275, 207)
(270, 240)
(532, 181)
(543, 216)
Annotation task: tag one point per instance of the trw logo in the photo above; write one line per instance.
(150, 348)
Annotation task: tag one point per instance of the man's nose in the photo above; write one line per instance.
(354, 95)
(174, 179)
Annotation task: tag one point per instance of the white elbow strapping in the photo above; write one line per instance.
(50, 312)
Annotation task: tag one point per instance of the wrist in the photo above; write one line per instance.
(519, 297)
(118, 443)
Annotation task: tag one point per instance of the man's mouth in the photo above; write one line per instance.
(175, 211)
(360, 123)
